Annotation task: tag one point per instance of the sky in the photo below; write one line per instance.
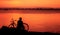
(38, 22)
(30, 3)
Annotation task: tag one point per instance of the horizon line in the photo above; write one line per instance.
(29, 8)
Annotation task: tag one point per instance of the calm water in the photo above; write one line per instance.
(39, 21)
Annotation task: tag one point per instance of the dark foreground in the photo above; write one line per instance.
(30, 33)
(5, 30)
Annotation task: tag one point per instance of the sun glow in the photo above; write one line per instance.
(30, 3)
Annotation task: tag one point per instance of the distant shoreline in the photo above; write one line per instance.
(29, 8)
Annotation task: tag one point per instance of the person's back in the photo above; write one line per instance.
(20, 25)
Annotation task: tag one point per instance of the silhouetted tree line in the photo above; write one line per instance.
(29, 8)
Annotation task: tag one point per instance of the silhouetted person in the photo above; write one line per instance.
(20, 25)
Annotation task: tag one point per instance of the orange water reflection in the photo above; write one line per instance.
(37, 22)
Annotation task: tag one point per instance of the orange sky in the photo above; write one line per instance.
(30, 3)
(37, 22)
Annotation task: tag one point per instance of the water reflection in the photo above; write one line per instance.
(37, 20)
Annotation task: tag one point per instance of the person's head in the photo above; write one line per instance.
(20, 18)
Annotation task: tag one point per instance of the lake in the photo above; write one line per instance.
(38, 20)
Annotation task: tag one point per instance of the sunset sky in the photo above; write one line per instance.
(30, 3)
(40, 21)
